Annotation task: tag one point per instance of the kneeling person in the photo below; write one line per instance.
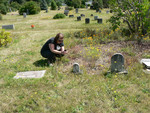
(53, 48)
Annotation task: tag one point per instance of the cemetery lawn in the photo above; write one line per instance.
(60, 90)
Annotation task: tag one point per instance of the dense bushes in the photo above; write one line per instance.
(3, 9)
(0, 17)
(53, 5)
(32, 6)
(59, 15)
(5, 38)
(15, 5)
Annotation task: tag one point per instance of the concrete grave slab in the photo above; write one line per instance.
(30, 74)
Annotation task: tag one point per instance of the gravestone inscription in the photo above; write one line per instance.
(8, 26)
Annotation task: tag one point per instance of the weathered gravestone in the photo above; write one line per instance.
(71, 16)
(30, 74)
(111, 11)
(99, 20)
(91, 14)
(24, 15)
(77, 10)
(86, 6)
(107, 12)
(8, 26)
(76, 68)
(95, 17)
(100, 11)
(117, 63)
(66, 12)
(97, 10)
(87, 20)
(27, 11)
(79, 18)
(46, 10)
(82, 15)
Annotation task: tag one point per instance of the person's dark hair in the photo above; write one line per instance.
(58, 36)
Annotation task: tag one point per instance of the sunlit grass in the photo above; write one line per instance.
(60, 90)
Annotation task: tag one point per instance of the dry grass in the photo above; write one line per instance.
(60, 90)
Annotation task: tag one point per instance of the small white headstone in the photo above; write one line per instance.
(30, 74)
(76, 68)
(146, 62)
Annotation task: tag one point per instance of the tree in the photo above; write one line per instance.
(106, 3)
(53, 5)
(43, 5)
(135, 13)
(97, 4)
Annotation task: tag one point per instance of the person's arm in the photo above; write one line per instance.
(51, 46)
(62, 48)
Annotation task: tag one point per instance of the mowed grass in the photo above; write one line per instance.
(60, 90)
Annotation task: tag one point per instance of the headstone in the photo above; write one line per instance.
(111, 11)
(82, 15)
(91, 7)
(66, 12)
(97, 10)
(30, 74)
(100, 11)
(46, 11)
(91, 14)
(146, 63)
(24, 15)
(59, 8)
(107, 12)
(27, 11)
(71, 16)
(8, 26)
(79, 18)
(77, 10)
(10, 10)
(95, 17)
(87, 20)
(99, 20)
(117, 63)
(86, 6)
(76, 68)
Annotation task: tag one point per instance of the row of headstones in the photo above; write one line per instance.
(117, 64)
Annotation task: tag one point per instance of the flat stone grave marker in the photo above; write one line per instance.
(91, 14)
(146, 63)
(24, 15)
(79, 18)
(30, 74)
(71, 16)
(95, 17)
(8, 26)
(77, 10)
(87, 20)
(76, 68)
(66, 12)
(107, 12)
(82, 15)
(99, 20)
(117, 63)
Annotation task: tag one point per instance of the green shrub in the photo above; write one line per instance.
(82, 6)
(5, 38)
(70, 8)
(59, 15)
(3, 9)
(53, 5)
(32, 6)
(1, 17)
(15, 5)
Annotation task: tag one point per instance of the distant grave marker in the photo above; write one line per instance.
(99, 20)
(87, 20)
(100, 11)
(107, 12)
(30, 74)
(79, 18)
(8, 26)
(71, 16)
(117, 63)
(95, 17)
(66, 12)
(146, 63)
(91, 14)
(46, 10)
(82, 15)
(111, 11)
(77, 10)
(24, 15)
(86, 6)
(76, 68)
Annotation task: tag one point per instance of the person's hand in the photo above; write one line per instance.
(64, 52)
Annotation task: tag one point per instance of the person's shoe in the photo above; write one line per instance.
(49, 63)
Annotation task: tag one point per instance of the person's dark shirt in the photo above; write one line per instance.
(51, 41)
